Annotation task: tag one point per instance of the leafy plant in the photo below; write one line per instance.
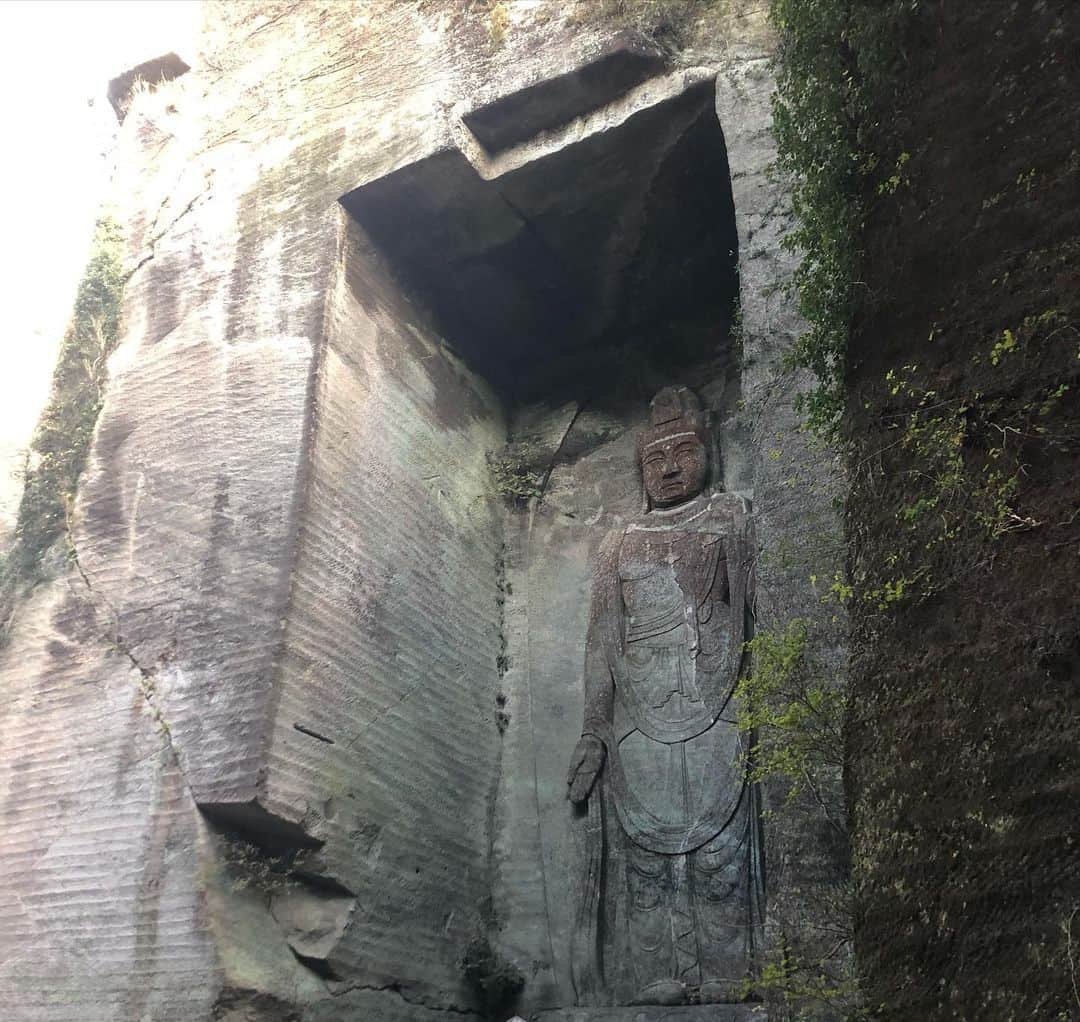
(250, 866)
(794, 709)
(495, 980)
(517, 473)
(792, 705)
(498, 25)
(61, 442)
(957, 468)
(835, 73)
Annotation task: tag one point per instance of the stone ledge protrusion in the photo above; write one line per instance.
(153, 72)
(553, 102)
(254, 823)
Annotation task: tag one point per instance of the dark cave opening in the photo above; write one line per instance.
(550, 280)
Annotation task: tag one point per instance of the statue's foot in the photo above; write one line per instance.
(664, 991)
(726, 991)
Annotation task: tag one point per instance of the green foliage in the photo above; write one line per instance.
(250, 866)
(792, 705)
(813, 990)
(60, 445)
(517, 472)
(960, 496)
(957, 477)
(495, 980)
(890, 185)
(498, 25)
(836, 72)
(1003, 347)
(813, 120)
(794, 709)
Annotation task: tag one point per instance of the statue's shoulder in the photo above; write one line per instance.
(728, 511)
(734, 503)
(607, 554)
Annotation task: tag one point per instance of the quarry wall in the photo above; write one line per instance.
(288, 715)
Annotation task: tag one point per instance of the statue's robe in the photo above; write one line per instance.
(670, 614)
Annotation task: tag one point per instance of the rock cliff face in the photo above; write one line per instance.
(286, 736)
(963, 380)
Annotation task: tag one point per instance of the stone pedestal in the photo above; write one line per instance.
(659, 1013)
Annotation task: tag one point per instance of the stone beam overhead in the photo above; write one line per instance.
(556, 101)
(151, 73)
(552, 136)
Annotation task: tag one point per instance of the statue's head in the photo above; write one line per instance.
(674, 450)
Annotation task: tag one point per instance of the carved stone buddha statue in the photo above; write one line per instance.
(672, 896)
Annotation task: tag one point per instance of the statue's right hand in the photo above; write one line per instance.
(585, 766)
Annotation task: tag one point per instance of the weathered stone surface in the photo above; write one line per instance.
(101, 843)
(383, 742)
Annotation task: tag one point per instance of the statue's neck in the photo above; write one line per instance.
(686, 507)
(664, 518)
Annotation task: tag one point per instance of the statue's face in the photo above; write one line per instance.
(675, 469)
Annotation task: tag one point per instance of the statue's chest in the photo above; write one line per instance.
(664, 578)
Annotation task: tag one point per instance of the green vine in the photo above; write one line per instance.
(792, 706)
(836, 73)
(794, 709)
(954, 470)
(61, 442)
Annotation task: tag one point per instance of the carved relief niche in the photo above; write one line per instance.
(572, 253)
(612, 230)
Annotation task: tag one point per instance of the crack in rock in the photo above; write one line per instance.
(146, 675)
(395, 988)
(156, 237)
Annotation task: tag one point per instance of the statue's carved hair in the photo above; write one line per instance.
(675, 410)
(679, 410)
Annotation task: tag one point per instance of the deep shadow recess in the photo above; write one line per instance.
(625, 238)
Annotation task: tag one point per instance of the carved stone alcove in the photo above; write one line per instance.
(505, 309)
(616, 233)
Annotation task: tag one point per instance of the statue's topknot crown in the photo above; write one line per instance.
(675, 410)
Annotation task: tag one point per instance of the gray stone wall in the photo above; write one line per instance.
(102, 847)
(392, 637)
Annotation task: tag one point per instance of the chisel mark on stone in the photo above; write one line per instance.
(313, 734)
